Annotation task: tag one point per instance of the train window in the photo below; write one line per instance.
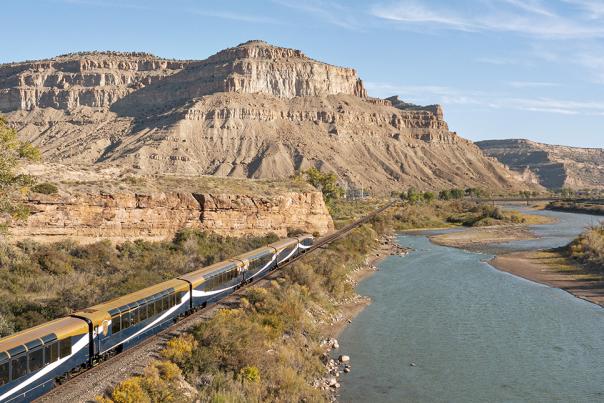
(134, 317)
(125, 320)
(4, 374)
(150, 309)
(166, 302)
(51, 352)
(36, 359)
(116, 324)
(19, 366)
(158, 307)
(142, 312)
(64, 348)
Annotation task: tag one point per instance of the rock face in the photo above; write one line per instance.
(551, 166)
(80, 79)
(119, 216)
(252, 111)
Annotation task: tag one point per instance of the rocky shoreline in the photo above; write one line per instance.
(337, 365)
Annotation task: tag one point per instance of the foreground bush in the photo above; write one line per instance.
(588, 248)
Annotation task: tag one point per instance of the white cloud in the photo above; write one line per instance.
(235, 17)
(528, 18)
(454, 96)
(594, 9)
(532, 84)
(331, 12)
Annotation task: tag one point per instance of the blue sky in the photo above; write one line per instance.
(501, 68)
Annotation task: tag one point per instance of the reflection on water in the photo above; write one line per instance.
(475, 334)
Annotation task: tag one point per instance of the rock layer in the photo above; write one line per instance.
(551, 166)
(254, 111)
(119, 216)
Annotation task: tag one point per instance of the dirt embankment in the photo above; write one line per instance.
(476, 239)
(553, 269)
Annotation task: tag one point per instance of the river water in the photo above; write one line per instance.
(473, 333)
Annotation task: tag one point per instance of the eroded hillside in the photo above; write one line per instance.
(252, 111)
(551, 166)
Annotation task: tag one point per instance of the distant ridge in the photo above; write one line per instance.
(552, 166)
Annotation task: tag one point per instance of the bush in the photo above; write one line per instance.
(130, 391)
(45, 188)
(588, 248)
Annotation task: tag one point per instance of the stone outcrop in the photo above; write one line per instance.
(252, 111)
(551, 166)
(93, 216)
(81, 79)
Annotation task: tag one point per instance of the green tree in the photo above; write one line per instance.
(327, 183)
(444, 195)
(457, 193)
(12, 152)
(429, 197)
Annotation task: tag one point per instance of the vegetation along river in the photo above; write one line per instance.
(445, 326)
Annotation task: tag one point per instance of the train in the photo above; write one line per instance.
(35, 360)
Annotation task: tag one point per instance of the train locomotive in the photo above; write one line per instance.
(33, 361)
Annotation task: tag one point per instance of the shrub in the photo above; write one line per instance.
(130, 391)
(250, 374)
(45, 188)
(180, 349)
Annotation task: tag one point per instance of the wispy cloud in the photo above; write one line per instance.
(504, 61)
(105, 4)
(530, 18)
(455, 96)
(234, 16)
(594, 9)
(330, 12)
(532, 84)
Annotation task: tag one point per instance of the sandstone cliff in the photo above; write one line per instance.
(85, 213)
(252, 111)
(551, 166)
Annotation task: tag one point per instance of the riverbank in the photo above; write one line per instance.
(477, 239)
(553, 269)
(549, 267)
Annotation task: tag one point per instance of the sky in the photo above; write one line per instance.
(501, 68)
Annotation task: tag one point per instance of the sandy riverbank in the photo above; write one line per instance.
(476, 239)
(548, 267)
(553, 269)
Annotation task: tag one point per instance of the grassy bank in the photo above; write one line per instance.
(268, 347)
(40, 282)
(588, 249)
(574, 207)
(466, 213)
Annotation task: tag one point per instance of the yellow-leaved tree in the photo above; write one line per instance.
(12, 153)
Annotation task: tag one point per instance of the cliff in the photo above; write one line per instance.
(551, 166)
(88, 217)
(93, 79)
(252, 111)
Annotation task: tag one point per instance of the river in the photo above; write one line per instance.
(445, 326)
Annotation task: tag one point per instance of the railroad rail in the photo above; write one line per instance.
(84, 386)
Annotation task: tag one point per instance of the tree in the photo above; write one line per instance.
(457, 193)
(444, 195)
(12, 152)
(327, 183)
(429, 197)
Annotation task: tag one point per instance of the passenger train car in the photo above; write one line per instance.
(34, 360)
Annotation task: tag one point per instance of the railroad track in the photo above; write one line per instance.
(85, 386)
